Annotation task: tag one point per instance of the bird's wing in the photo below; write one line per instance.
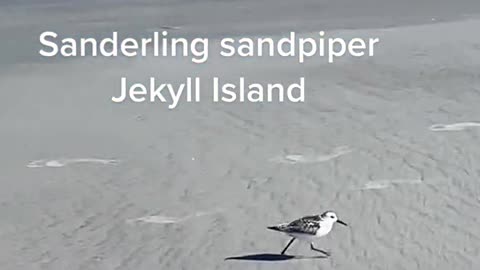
(307, 225)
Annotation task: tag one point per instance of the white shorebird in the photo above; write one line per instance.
(308, 228)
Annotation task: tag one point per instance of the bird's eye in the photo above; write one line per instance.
(332, 217)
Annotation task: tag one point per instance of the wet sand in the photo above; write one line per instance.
(389, 142)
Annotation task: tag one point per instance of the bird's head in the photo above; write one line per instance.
(332, 217)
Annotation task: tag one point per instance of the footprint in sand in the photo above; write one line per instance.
(58, 163)
(454, 127)
(298, 158)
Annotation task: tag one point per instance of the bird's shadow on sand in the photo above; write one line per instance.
(271, 257)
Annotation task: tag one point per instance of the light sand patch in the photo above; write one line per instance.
(156, 220)
(382, 184)
(58, 163)
(454, 127)
(299, 158)
(160, 219)
(163, 28)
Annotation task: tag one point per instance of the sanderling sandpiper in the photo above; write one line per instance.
(308, 228)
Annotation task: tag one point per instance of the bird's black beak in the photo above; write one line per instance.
(341, 222)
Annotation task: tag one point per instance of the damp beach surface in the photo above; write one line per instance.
(389, 142)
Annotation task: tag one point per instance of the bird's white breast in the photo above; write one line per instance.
(324, 229)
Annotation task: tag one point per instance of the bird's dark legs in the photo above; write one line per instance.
(319, 250)
(288, 245)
